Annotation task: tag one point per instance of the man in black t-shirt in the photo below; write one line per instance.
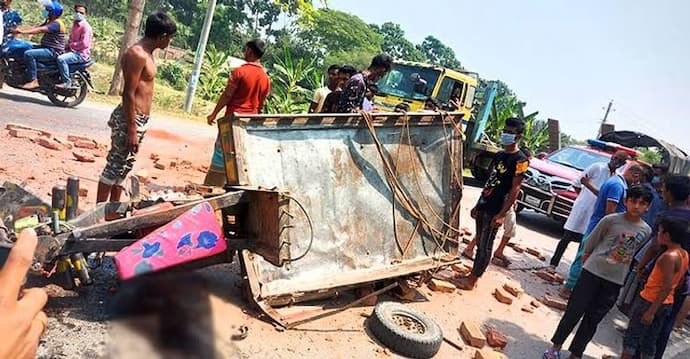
(499, 195)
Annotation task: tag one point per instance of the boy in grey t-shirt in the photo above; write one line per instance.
(607, 257)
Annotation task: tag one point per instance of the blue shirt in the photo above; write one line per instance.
(655, 207)
(612, 190)
(11, 19)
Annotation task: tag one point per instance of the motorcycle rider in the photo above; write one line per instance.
(10, 20)
(52, 43)
(78, 47)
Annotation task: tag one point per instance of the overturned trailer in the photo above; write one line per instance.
(315, 204)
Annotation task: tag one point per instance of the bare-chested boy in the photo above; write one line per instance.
(128, 121)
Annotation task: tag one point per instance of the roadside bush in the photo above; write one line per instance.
(174, 73)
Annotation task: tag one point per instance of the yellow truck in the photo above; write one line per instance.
(411, 83)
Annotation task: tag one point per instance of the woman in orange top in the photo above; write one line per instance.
(651, 308)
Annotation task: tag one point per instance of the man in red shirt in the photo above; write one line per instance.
(246, 92)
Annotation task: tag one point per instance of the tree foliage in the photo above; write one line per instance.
(396, 44)
(438, 53)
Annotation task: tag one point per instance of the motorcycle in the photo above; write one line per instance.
(14, 72)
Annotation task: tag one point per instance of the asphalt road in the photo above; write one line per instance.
(88, 119)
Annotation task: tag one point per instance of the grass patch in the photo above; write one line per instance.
(166, 100)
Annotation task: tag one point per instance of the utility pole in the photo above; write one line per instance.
(606, 116)
(199, 58)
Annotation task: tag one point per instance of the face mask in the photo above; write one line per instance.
(45, 13)
(79, 17)
(508, 138)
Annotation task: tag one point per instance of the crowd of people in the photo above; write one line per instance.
(631, 223)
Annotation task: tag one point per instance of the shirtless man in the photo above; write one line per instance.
(128, 121)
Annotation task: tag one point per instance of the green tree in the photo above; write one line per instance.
(288, 75)
(650, 155)
(338, 36)
(395, 44)
(437, 53)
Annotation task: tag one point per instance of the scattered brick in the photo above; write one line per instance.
(472, 335)
(83, 157)
(532, 251)
(19, 133)
(535, 303)
(441, 286)
(549, 277)
(489, 354)
(173, 164)
(502, 296)
(513, 289)
(461, 269)
(83, 192)
(77, 138)
(405, 290)
(159, 166)
(89, 145)
(51, 145)
(554, 302)
(495, 338)
(155, 157)
(14, 126)
(466, 240)
(186, 164)
(528, 309)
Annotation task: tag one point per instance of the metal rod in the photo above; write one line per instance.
(59, 200)
(336, 311)
(72, 198)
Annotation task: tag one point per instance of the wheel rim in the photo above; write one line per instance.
(409, 323)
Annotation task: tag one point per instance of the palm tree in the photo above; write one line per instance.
(289, 79)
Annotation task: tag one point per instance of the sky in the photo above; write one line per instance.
(566, 59)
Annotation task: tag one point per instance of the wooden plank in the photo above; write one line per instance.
(352, 277)
(148, 220)
(227, 140)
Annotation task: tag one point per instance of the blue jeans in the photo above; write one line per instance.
(64, 61)
(576, 267)
(37, 54)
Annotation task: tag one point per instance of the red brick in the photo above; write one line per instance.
(159, 166)
(466, 240)
(89, 145)
(554, 302)
(14, 126)
(83, 192)
(155, 157)
(502, 296)
(47, 143)
(528, 309)
(173, 164)
(83, 157)
(441, 286)
(488, 354)
(495, 338)
(19, 133)
(77, 138)
(472, 335)
(535, 303)
(186, 164)
(461, 269)
(549, 276)
(513, 289)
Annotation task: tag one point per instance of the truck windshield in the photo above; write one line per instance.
(401, 82)
(577, 158)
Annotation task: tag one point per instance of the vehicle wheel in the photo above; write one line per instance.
(73, 99)
(405, 331)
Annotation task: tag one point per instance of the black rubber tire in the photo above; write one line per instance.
(83, 89)
(401, 341)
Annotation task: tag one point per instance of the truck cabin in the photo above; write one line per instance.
(413, 83)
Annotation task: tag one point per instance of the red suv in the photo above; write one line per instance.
(548, 185)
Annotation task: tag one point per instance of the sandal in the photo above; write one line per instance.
(551, 354)
(502, 261)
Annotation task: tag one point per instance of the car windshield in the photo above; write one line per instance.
(402, 81)
(577, 158)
